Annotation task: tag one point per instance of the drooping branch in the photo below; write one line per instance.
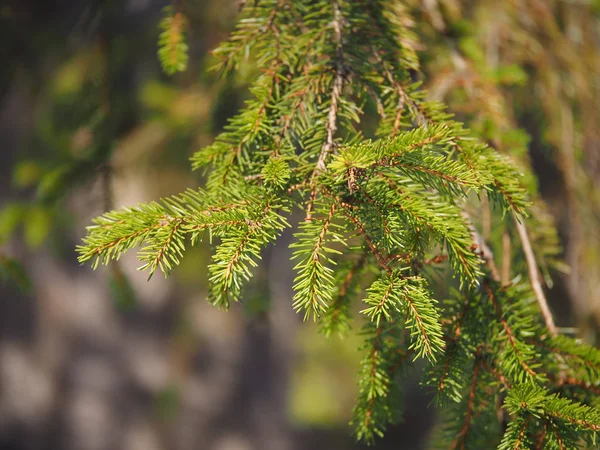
(534, 277)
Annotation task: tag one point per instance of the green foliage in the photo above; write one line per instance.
(376, 214)
(379, 399)
(565, 423)
(276, 173)
(394, 297)
(244, 221)
(315, 282)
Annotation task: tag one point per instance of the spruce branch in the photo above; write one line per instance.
(394, 295)
(314, 282)
(431, 215)
(377, 405)
(561, 415)
(384, 222)
(446, 377)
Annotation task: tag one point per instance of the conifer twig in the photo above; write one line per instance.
(336, 305)
(336, 93)
(403, 97)
(470, 403)
(506, 247)
(484, 251)
(508, 330)
(361, 229)
(534, 277)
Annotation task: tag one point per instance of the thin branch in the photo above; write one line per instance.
(336, 93)
(435, 260)
(580, 422)
(373, 375)
(404, 98)
(506, 259)
(509, 332)
(454, 338)
(383, 262)
(483, 250)
(522, 434)
(321, 238)
(337, 303)
(542, 438)
(256, 176)
(497, 374)
(462, 434)
(571, 381)
(534, 277)
(486, 218)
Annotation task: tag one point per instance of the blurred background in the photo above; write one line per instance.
(88, 122)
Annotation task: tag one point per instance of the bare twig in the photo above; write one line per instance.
(336, 93)
(256, 176)
(483, 250)
(534, 277)
(486, 218)
(402, 95)
(506, 258)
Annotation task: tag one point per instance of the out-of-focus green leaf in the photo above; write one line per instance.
(70, 77)
(511, 75)
(167, 402)
(26, 173)
(158, 95)
(52, 182)
(10, 218)
(37, 226)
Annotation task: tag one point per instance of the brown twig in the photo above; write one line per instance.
(483, 250)
(404, 98)
(337, 303)
(336, 93)
(383, 261)
(486, 218)
(506, 247)
(534, 277)
(373, 371)
(470, 404)
(509, 332)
